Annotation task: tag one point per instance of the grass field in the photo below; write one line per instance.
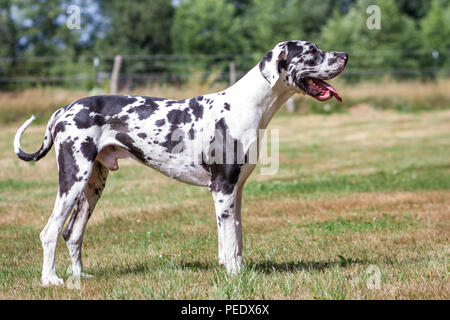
(357, 191)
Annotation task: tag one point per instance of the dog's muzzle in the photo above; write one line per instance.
(318, 88)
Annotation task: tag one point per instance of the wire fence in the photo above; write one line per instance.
(144, 70)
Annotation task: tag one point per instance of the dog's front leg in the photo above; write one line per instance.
(227, 206)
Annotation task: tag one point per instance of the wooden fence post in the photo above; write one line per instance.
(232, 67)
(114, 85)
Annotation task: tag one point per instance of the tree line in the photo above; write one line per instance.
(35, 38)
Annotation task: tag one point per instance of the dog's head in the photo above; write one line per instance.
(302, 66)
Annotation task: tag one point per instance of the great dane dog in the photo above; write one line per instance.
(175, 138)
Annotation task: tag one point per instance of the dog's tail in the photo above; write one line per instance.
(46, 144)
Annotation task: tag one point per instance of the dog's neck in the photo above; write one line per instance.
(254, 93)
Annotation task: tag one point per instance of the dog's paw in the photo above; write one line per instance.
(234, 265)
(52, 281)
(78, 273)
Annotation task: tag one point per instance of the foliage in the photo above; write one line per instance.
(350, 33)
(135, 27)
(436, 32)
(201, 26)
(223, 27)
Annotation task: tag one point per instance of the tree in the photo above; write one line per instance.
(389, 47)
(268, 22)
(135, 27)
(416, 9)
(31, 29)
(8, 30)
(9, 38)
(435, 31)
(207, 27)
(311, 15)
(42, 28)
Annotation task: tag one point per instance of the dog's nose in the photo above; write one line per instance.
(342, 55)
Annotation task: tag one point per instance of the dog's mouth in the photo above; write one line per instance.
(319, 89)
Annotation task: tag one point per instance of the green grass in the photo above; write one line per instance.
(410, 179)
(340, 226)
(352, 193)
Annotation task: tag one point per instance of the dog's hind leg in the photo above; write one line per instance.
(72, 180)
(73, 234)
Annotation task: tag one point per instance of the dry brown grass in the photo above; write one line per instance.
(415, 90)
(43, 101)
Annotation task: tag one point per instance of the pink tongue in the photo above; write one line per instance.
(336, 95)
(330, 88)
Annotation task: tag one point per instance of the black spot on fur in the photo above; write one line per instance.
(332, 61)
(191, 133)
(311, 62)
(176, 117)
(293, 49)
(171, 102)
(282, 65)
(106, 105)
(84, 120)
(59, 111)
(267, 58)
(171, 140)
(227, 106)
(229, 145)
(128, 142)
(160, 122)
(146, 109)
(224, 176)
(142, 135)
(224, 216)
(119, 124)
(68, 168)
(197, 109)
(89, 149)
(60, 127)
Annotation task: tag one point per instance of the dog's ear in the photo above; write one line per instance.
(271, 63)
